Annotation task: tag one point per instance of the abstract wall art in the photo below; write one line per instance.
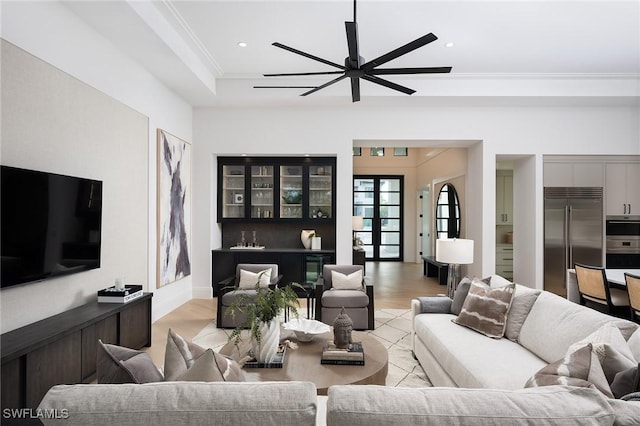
(174, 208)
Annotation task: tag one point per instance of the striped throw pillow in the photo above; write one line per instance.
(485, 309)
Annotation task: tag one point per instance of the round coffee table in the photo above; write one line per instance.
(303, 364)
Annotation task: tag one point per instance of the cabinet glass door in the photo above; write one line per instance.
(291, 191)
(233, 191)
(320, 187)
(261, 192)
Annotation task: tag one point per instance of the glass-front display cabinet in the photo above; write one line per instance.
(320, 191)
(233, 191)
(262, 192)
(273, 189)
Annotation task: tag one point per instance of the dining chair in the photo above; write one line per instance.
(595, 291)
(633, 288)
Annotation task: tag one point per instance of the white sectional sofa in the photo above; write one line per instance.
(455, 356)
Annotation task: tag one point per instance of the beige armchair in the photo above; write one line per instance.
(357, 302)
(228, 290)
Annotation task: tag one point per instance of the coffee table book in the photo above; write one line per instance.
(112, 295)
(278, 362)
(354, 355)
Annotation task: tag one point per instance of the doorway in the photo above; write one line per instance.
(378, 199)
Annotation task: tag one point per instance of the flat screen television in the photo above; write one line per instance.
(51, 225)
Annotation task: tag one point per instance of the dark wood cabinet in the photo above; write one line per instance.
(292, 263)
(62, 349)
(276, 189)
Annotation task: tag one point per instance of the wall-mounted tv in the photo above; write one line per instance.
(51, 225)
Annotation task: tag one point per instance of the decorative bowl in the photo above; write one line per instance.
(292, 197)
(305, 329)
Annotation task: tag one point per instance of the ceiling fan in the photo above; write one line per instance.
(355, 67)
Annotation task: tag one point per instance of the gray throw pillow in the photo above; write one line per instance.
(626, 382)
(521, 305)
(186, 361)
(460, 295)
(116, 364)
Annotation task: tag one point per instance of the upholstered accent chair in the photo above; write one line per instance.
(633, 288)
(357, 300)
(595, 291)
(232, 287)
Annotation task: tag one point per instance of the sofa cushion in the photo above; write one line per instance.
(376, 405)
(521, 304)
(634, 344)
(345, 298)
(117, 364)
(185, 403)
(611, 349)
(248, 279)
(352, 281)
(485, 309)
(578, 368)
(187, 361)
(569, 321)
(457, 351)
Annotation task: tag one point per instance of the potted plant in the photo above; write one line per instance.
(262, 310)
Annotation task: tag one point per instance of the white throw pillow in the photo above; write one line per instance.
(341, 281)
(634, 344)
(249, 279)
(612, 350)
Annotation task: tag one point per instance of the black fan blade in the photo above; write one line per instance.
(352, 44)
(307, 55)
(409, 47)
(335, 80)
(284, 87)
(390, 85)
(303, 73)
(397, 71)
(355, 89)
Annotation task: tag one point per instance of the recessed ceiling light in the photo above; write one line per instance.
(449, 44)
(242, 44)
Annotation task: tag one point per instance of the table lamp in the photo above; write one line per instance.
(455, 252)
(357, 224)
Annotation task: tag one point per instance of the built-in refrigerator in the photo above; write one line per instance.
(573, 232)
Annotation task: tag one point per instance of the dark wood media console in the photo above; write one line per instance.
(62, 349)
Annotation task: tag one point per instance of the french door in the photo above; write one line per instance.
(378, 199)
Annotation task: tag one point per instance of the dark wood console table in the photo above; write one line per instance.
(62, 349)
(433, 268)
(292, 263)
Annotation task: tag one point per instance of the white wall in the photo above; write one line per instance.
(50, 31)
(323, 131)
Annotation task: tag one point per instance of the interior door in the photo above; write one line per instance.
(378, 199)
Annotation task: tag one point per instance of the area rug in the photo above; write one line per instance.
(393, 330)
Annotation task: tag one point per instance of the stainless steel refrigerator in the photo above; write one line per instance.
(573, 224)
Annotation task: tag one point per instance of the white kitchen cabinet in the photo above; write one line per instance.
(622, 190)
(504, 260)
(504, 197)
(573, 174)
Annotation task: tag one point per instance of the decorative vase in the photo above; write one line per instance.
(305, 237)
(316, 243)
(266, 350)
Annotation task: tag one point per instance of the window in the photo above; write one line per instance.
(357, 151)
(400, 152)
(376, 152)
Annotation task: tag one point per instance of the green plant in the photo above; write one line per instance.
(263, 307)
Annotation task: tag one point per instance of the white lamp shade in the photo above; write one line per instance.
(357, 223)
(454, 250)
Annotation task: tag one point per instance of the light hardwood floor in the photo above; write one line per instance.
(395, 284)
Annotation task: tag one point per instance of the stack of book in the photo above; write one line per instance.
(353, 355)
(113, 295)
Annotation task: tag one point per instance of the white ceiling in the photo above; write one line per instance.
(504, 51)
